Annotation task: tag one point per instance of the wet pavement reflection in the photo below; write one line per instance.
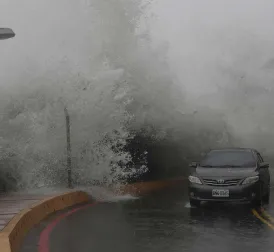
(159, 222)
(166, 221)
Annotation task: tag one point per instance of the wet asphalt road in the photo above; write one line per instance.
(159, 222)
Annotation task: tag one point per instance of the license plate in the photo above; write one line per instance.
(220, 193)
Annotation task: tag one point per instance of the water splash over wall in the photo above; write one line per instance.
(118, 88)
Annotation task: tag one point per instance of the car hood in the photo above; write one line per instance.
(226, 172)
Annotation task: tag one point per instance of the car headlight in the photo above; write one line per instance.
(250, 180)
(194, 180)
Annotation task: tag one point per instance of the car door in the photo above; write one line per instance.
(264, 172)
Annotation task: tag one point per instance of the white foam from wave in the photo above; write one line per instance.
(106, 195)
(97, 193)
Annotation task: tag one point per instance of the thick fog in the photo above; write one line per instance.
(146, 83)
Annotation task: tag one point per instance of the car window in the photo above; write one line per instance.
(229, 159)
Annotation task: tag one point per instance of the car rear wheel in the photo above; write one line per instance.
(194, 203)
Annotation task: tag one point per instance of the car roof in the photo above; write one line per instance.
(235, 149)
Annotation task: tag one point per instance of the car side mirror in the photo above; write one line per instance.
(193, 164)
(264, 165)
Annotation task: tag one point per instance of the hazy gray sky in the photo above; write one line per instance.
(190, 27)
(48, 30)
(246, 14)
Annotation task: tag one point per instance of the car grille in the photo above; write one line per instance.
(227, 182)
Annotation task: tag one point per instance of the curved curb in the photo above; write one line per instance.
(13, 234)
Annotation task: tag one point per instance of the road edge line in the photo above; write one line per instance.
(256, 214)
(267, 215)
(12, 236)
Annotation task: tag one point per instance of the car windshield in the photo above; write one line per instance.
(229, 159)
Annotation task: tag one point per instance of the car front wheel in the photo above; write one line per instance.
(266, 197)
(258, 201)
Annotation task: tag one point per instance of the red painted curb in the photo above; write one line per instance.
(43, 245)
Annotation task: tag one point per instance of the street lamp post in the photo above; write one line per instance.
(6, 33)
